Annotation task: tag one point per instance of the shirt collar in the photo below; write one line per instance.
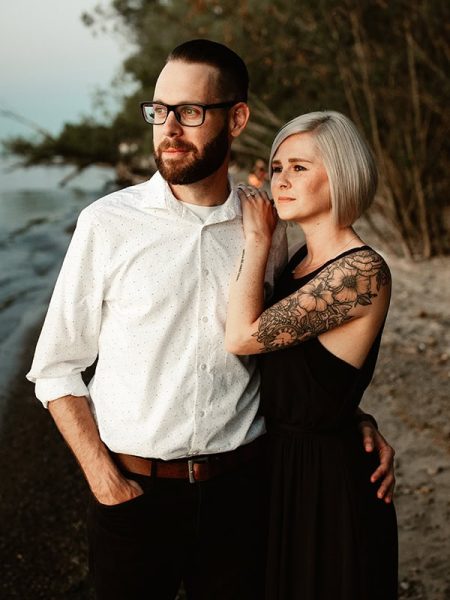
(157, 194)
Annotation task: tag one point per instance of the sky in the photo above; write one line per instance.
(51, 64)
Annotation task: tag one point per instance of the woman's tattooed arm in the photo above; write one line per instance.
(336, 295)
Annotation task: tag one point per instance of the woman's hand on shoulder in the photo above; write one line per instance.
(259, 216)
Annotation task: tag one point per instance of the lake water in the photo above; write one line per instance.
(36, 222)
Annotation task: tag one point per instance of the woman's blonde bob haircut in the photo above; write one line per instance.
(348, 160)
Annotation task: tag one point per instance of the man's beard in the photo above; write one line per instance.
(197, 167)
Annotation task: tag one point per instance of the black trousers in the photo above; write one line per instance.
(211, 535)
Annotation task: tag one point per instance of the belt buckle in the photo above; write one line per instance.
(191, 463)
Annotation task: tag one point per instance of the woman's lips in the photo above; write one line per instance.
(284, 199)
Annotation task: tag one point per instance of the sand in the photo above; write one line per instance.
(43, 496)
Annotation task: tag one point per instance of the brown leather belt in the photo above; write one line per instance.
(198, 468)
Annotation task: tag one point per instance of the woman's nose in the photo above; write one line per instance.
(283, 181)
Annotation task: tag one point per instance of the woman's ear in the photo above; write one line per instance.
(238, 119)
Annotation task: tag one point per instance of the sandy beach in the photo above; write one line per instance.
(410, 397)
(43, 496)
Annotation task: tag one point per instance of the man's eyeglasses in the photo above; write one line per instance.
(189, 115)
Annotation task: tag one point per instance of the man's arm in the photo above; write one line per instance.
(76, 423)
(67, 345)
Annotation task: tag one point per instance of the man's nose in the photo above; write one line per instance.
(171, 128)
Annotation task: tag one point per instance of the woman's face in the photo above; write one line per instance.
(300, 185)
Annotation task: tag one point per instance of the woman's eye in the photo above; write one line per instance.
(276, 169)
(299, 168)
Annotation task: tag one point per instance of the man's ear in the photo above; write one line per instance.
(238, 119)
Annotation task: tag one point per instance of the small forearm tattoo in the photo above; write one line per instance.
(241, 264)
(324, 302)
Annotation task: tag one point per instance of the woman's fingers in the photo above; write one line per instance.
(251, 192)
(247, 191)
(259, 218)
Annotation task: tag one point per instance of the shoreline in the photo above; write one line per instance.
(43, 500)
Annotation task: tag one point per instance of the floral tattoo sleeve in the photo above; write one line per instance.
(325, 302)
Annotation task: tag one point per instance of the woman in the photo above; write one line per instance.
(330, 536)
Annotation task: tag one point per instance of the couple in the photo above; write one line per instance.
(185, 483)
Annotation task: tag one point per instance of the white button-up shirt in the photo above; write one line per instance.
(144, 286)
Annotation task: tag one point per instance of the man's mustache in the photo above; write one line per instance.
(176, 145)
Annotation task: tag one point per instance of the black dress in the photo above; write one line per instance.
(330, 537)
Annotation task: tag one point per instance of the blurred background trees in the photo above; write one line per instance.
(385, 64)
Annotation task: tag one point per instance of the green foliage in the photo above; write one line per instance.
(80, 144)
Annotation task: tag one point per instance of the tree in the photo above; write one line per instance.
(383, 63)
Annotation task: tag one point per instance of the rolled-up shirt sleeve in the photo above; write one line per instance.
(68, 343)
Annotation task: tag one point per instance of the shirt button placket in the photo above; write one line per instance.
(203, 351)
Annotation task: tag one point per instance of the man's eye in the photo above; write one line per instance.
(189, 111)
(159, 110)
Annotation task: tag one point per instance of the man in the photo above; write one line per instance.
(168, 434)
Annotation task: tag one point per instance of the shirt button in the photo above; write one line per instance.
(203, 366)
(206, 272)
(205, 319)
(202, 413)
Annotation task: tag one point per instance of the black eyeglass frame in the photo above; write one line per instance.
(173, 107)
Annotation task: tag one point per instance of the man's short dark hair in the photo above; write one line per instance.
(233, 74)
